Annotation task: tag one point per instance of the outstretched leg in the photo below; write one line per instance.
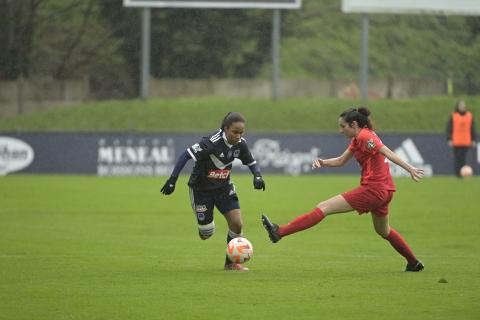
(336, 204)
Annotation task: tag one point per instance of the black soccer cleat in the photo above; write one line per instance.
(271, 228)
(415, 267)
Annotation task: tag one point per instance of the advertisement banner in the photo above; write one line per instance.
(128, 154)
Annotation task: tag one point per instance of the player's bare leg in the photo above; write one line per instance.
(336, 204)
(234, 221)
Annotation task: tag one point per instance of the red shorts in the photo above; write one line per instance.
(367, 199)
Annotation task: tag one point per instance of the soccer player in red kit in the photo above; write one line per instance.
(374, 193)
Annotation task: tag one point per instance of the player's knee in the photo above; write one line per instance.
(206, 231)
(236, 227)
(382, 232)
(324, 207)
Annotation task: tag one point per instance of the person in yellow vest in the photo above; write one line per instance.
(461, 134)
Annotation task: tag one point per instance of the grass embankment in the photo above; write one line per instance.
(202, 114)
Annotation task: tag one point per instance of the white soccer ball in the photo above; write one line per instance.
(239, 250)
(466, 171)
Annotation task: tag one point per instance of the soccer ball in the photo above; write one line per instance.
(466, 171)
(239, 250)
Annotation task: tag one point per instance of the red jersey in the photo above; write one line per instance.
(375, 168)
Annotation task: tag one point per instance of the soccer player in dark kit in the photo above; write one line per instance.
(209, 181)
(374, 193)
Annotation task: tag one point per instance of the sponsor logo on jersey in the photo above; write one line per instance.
(236, 153)
(221, 155)
(218, 174)
(370, 144)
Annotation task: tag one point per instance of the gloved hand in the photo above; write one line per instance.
(169, 186)
(258, 183)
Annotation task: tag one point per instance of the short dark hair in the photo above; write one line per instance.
(361, 115)
(457, 105)
(230, 118)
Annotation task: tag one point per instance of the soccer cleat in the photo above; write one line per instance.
(235, 266)
(415, 267)
(271, 228)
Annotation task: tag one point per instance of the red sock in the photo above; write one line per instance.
(400, 245)
(302, 222)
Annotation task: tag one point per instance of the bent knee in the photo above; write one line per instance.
(382, 232)
(206, 231)
(236, 227)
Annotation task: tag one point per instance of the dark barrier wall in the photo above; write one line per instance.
(155, 154)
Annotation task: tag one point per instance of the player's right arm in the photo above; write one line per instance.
(169, 185)
(333, 162)
(198, 151)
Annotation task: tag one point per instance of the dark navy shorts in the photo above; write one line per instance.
(203, 202)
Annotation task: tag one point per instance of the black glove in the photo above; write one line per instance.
(169, 186)
(258, 183)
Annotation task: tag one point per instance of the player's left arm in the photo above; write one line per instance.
(247, 159)
(258, 182)
(415, 173)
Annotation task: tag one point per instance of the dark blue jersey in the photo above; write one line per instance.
(213, 157)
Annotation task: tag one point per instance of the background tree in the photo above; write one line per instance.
(17, 26)
(319, 41)
(73, 40)
(65, 39)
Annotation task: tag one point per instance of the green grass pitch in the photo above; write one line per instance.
(75, 247)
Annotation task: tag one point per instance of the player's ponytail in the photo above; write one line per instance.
(230, 118)
(360, 115)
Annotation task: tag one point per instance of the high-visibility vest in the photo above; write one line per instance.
(461, 129)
